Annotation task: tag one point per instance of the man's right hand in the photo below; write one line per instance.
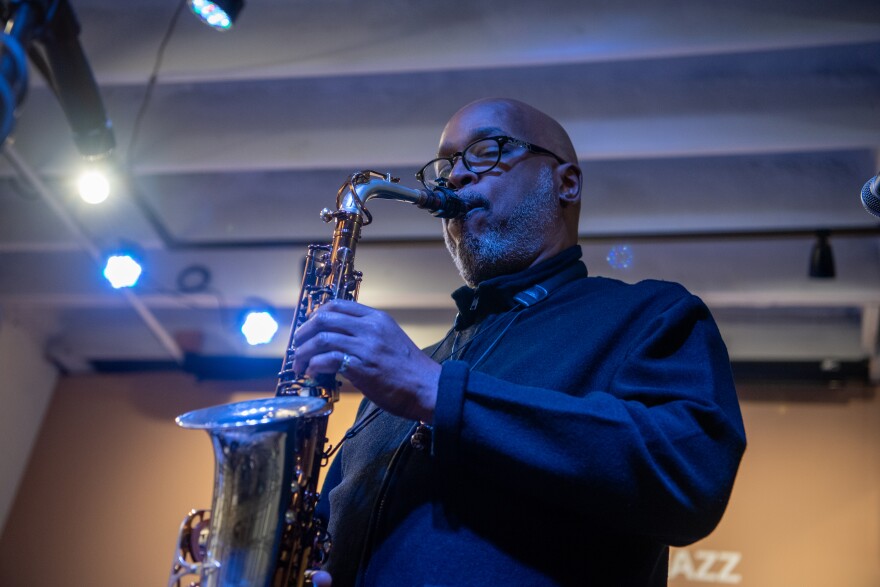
(318, 579)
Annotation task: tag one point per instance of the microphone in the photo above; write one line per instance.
(50, 32)
(871, 196)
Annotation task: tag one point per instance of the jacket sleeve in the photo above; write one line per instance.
(654, 454)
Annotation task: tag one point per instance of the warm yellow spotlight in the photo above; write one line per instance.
(94, 187)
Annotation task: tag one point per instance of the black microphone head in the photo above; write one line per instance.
(871, 196)
(63, 63)
(95, 143)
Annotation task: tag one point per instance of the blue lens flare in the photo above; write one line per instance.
(620, 257)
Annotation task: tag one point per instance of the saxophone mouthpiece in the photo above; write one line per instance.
(444, 203)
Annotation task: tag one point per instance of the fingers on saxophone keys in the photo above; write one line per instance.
(328, 363)
(321, 342)
(319, 323)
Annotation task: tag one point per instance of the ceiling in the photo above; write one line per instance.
(715, 138)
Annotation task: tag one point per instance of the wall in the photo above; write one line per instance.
(805, 510)
(26, 384)
(111, 476)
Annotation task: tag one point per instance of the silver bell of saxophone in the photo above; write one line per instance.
(261, 530)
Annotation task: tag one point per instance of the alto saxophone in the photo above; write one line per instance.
(261, 530)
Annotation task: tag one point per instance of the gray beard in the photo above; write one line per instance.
(508, 245)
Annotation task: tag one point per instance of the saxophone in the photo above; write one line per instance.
(261, 530)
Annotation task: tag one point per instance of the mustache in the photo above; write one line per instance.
(474, 199)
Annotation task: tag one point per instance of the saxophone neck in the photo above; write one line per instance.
(363, 186)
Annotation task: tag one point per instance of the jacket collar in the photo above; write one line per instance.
(499, 293)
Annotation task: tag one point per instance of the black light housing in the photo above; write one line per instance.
(822, 258)
(220, 15)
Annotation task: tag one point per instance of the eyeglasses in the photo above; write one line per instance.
(479, 157)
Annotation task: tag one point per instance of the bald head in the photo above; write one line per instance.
(527, 123)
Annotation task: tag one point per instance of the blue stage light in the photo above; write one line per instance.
(219, 14)
(259, 327)
(122, 271)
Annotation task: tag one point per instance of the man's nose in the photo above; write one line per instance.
(460, 175)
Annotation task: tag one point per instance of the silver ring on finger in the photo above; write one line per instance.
(346, 359)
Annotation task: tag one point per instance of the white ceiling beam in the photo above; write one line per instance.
(400, 37)
(265, 145)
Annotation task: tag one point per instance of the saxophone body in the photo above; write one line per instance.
(261, 530)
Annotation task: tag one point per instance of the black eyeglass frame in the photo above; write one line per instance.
(501, 140)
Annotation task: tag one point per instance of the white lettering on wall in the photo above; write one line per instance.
(706, 566)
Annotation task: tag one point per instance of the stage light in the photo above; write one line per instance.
(220, 15)
(93, 186)
(122, 270)
(821, 257)
(259, 327)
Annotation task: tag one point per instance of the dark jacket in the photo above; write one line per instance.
(575, 437)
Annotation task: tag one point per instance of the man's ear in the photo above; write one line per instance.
(570, 178)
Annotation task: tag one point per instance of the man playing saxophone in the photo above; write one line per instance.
(567, 430)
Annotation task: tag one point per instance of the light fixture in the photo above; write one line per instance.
(93, 186)
(821, 257)
(122, 270)
(259, 328)
(258, 323)
(220, 15)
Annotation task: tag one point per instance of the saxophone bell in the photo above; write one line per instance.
(260, 527)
